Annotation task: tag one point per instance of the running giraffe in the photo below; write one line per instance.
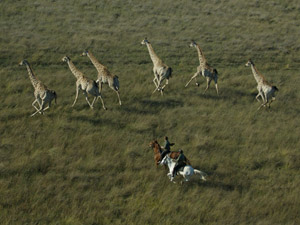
(104, 76)
(42, 94)
(265, 90)
(88, 86)
(161, 71)
(259, 80)
(204, 69)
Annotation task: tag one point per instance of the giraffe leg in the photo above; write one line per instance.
(33, 104)
(37, 110)
(119, 97)
(46, 108)
(154, 81)
(94, 100)
(167, 82)
(87, 99)
(102, 102)
(155, 90)
(216, 85)
(49, 105)
(46, 100)
(76, 97)
(261, 94)
(207, 84)
(158, 88)
(193, 77)
(43, 107)
(157, 79)
(265, 102)
(41, 110)
(272, 100)
(161, 88)
(257, 96)
(196, 82)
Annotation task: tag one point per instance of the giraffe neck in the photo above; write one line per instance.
(95, 62)
(153, 56)
(74, 70)
(32, 77)
(201, 57)
(259, 78)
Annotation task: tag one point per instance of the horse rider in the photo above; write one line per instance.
(181, 161)
(167, 148)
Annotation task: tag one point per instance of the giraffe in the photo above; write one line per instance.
(104, 76)
(265, 90)
(204, 69)
(259, 80)
(88, 86)
(42, 94)
(161, 71)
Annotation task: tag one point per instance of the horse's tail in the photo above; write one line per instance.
(188, 162)
(202, 174)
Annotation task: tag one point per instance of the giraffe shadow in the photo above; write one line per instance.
(148, 107)
(170, 103)
(96, 121)
(229, 94)
(136, 110)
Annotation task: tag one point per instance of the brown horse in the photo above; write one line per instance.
(157, 153)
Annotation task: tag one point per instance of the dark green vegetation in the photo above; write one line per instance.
(78, 166)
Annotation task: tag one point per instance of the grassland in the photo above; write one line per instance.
(78, 166)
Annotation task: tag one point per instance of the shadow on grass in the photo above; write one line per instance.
(228, 94)
(169, 103)
(96, 121)
(13, 116)
(213, 182)
(149, 107)
(223, 186)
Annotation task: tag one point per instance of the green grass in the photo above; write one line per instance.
(78, 166)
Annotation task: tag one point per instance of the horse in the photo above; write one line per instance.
(157, 153)
(186, 171)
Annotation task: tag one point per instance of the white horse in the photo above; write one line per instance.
(186, 172)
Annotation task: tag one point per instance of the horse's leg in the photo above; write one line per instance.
(156, 162)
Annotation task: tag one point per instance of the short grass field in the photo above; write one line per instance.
(80, 166)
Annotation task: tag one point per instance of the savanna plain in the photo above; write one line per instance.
(82, 166)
